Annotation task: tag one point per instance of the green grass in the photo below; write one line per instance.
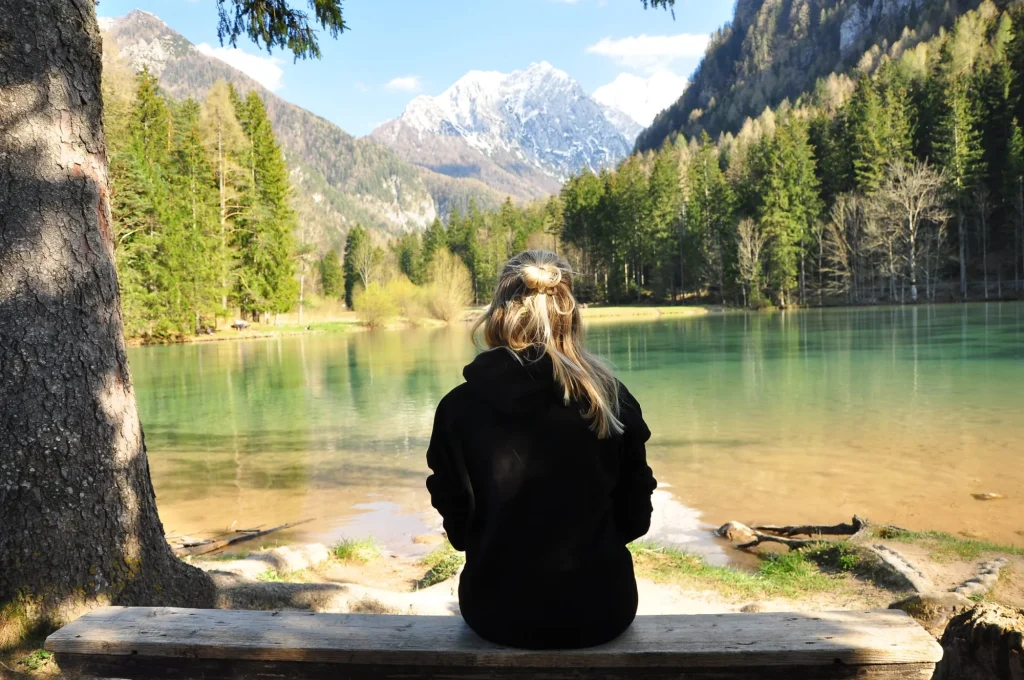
(36, 660)
(227, 557)
(788, 575)
(359, 550)
(442, 563)
(947, 548)
(270, 576)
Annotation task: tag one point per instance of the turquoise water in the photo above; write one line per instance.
(896, 414)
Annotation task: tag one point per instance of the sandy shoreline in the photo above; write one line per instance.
(676, 575)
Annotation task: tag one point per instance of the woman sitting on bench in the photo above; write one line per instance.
(540, 472)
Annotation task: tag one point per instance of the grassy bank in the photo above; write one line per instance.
(641, 313)
(943, 547)
(791, 575)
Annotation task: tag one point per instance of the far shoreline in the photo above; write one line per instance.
(349, 322)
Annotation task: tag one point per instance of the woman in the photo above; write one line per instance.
(540, 472)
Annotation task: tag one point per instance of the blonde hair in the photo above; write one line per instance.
(534, 307)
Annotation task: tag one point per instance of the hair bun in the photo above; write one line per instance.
(541, 277)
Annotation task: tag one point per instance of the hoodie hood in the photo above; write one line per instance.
(511, 385)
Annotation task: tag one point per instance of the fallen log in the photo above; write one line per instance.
(215, 546)
(791, 543)
(816, 530)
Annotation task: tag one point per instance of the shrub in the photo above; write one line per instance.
(356, 550)
(451, 286)
(410, 299)
(374, 305)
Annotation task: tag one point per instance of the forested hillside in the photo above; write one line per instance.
(775, 50)
(901, 181)
(340, 180)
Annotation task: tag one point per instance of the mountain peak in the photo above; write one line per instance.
(536, 124)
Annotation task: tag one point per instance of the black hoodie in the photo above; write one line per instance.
(541, 506)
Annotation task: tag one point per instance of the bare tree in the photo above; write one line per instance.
(750, 241)
(839, 257)
(910, 199)
(368, 261)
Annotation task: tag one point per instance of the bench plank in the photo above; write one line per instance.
(888, 644)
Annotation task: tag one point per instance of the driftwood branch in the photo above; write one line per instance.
(816, 530)
(791, 543)
(207, 547)
(750, 537)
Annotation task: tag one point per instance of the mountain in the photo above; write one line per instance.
(522, 133)
(338, 179)
(773, 51)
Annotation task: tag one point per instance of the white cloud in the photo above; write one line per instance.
(642, 98)
(652, 52)
(264, 70)
(405, 84)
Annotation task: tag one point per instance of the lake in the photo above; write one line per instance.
(896, 414)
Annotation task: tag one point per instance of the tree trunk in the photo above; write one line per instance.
(983, 643)
(223, 216)
(1018, 257)
(913, 266)
(79, 518)
(984, 250)
(963, 255)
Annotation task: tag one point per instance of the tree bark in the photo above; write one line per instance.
(78, 517)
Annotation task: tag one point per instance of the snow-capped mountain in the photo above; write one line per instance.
(523, 132)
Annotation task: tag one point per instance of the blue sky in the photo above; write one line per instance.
(397, 49)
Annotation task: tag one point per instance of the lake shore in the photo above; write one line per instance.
(349, 322)
(358, 576)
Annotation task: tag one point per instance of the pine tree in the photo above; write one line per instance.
(1014, 188)
(866, 120)
(898, 116)
(435, 239)
(633, 217)
(959, 153)
(408, 253)
(332, 283)
(193, 259)
(266, 270)
(709, 216)
(666, 199)
(141, 205)
(788, 203)
(581, 199)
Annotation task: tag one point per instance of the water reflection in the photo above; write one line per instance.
(897, 414)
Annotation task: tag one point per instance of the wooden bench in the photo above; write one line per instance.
(120, 642)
